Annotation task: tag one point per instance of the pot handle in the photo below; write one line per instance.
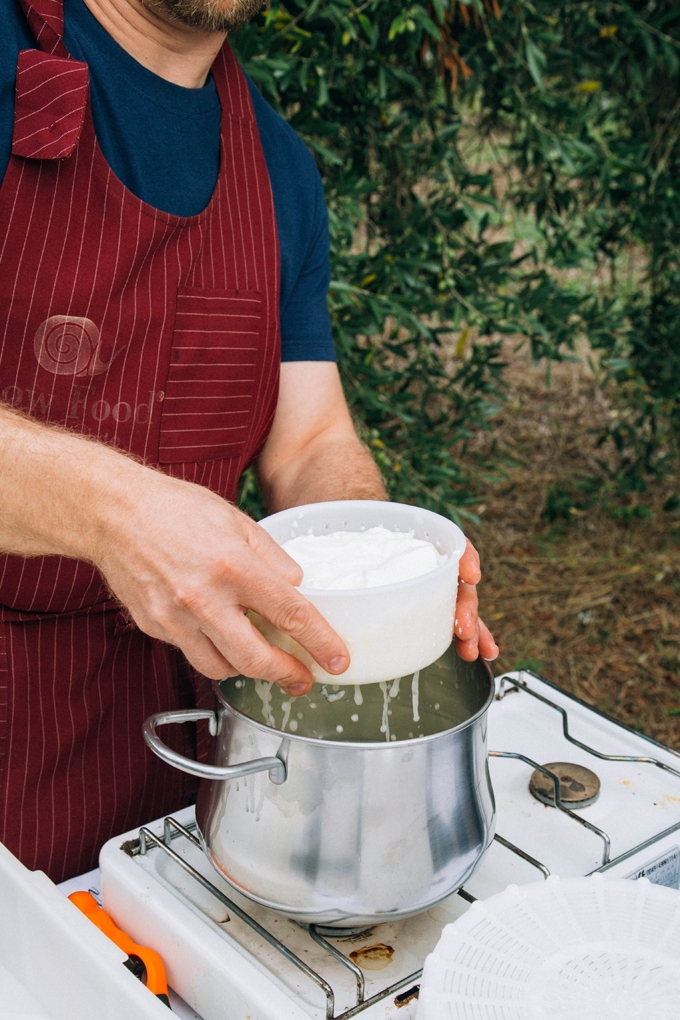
(276, 767)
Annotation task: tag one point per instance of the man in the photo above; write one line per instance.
(159, 227)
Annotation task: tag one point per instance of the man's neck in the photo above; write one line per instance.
(173, 51)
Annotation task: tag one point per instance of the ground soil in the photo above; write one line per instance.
(593, 605)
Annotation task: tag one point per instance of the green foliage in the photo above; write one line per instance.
(569, 499)
(250, 496)
(582, 105)
(417, 288)
(533, 665)
(587, 99)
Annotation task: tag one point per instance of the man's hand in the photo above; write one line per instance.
(187, 565)
(473, 637)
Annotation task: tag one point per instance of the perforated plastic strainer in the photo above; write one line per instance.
(563, 949)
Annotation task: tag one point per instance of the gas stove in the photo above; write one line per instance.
(618, 812)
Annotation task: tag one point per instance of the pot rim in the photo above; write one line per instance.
(360, 744)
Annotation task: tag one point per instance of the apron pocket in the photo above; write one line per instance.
(211, 381)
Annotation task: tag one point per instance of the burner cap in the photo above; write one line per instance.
(579, 787)
(330, 931)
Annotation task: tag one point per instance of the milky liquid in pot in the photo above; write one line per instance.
(449, 692)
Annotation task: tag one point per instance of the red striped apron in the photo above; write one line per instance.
(157, 334)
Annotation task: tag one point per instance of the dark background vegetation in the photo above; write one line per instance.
(503, 184)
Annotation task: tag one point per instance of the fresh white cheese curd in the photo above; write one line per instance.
(347, 560)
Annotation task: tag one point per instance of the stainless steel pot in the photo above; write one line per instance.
(333, 823)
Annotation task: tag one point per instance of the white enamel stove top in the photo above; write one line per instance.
(225, 970)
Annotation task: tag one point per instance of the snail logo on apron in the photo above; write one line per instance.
(69, 345)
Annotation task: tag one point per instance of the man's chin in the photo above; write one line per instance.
(207, 15)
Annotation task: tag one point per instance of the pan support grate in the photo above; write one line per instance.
(407, 986)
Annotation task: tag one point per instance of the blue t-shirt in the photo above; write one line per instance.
(163, 142)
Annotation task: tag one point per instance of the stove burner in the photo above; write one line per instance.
(328, 932)
(579, 787)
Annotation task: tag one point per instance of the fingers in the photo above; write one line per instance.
(481, 643)
(465, 618)
(469, 569)
(468, 650)
(204, 657)
(473, 637)
(466, 622)
(488, 649)
(291, 613)
(184, 633)
(253, 656)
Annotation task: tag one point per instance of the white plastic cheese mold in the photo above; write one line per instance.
(392, 630)
(564, 949)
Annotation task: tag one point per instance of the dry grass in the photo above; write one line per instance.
(595, 608)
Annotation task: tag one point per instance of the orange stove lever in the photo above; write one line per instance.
(156, 980)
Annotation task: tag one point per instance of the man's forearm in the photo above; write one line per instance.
(56, 488)
(334, 466)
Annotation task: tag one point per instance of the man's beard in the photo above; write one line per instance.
(208, 15)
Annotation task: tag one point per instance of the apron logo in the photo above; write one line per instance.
(69, 345)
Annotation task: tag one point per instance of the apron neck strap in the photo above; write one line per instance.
(51, 89)
(46, 20)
